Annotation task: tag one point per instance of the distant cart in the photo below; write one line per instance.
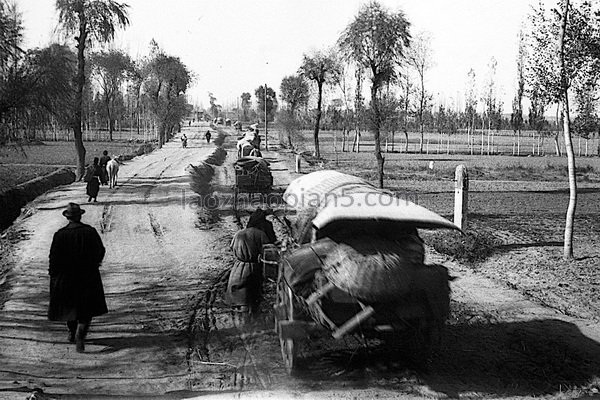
(252, 175)
(356, 266)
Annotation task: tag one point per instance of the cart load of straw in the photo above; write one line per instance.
(253, 172)
(375, 269)
(200, 177)
(372, 270)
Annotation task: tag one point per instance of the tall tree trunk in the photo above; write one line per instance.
(405, 119)
(318, 119)
(77, 117)
(376, 133)
(568, 243)
(421, 132)
(110, 120)
(421, 111)
(482, 132)
(556, 135)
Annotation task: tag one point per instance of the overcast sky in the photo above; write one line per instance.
(234, 46)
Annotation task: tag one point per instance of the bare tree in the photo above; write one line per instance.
(564, 52)
(294, 91)
(492, 105)
(110, 68)
(246, 104)
(568, 243)
(91, 22)
(471, 107)
(516, 118)
(359, 108)
(321, 67)
(165, 85)
(376, 40)
(420, 58)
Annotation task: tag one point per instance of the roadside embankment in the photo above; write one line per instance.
(12, 200)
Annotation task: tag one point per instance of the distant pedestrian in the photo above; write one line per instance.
(92, 177)
(207, 136)
(184, 140)
(76, 291)
(103, 161)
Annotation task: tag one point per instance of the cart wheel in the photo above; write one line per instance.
(288, 347)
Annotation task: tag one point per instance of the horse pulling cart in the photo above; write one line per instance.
(356, 266)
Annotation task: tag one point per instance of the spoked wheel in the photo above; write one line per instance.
(288, 347)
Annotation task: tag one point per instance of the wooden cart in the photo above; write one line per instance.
(308, 302)
(252, 175)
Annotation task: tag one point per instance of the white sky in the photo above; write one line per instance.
(234, 46)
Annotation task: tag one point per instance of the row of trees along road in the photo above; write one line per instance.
(71, 87)
(558, 60)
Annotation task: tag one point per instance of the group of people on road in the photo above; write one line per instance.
(184, 138)
(96, 175)
(77, 251)
(77, 292)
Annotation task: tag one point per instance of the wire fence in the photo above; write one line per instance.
(528, 143)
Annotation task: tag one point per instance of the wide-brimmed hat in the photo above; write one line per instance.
(73, 210)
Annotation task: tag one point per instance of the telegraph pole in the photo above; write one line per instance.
(266, 140)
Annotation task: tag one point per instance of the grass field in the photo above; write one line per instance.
(12, 175)
(99, 135)
(503, 143)
(19, 164)
(414, 166)
(61, 153)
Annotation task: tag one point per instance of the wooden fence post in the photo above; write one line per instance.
(461, 191)
(298, 162)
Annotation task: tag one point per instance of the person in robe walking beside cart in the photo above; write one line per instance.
(92, 176)
(76, 291)
(244, 288)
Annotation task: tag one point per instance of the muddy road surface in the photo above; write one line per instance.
(169, 333)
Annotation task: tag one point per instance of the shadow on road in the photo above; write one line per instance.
(532, 358)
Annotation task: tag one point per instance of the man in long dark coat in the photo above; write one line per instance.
(244, 288)
(76, 292)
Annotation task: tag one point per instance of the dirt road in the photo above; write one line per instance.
(169, 333)
(155, 268)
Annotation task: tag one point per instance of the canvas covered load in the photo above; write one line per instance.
(336, 197)
(373, 250)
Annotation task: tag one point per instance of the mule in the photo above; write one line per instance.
(112, 167)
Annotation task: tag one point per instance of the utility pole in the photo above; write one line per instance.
(266, 140)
